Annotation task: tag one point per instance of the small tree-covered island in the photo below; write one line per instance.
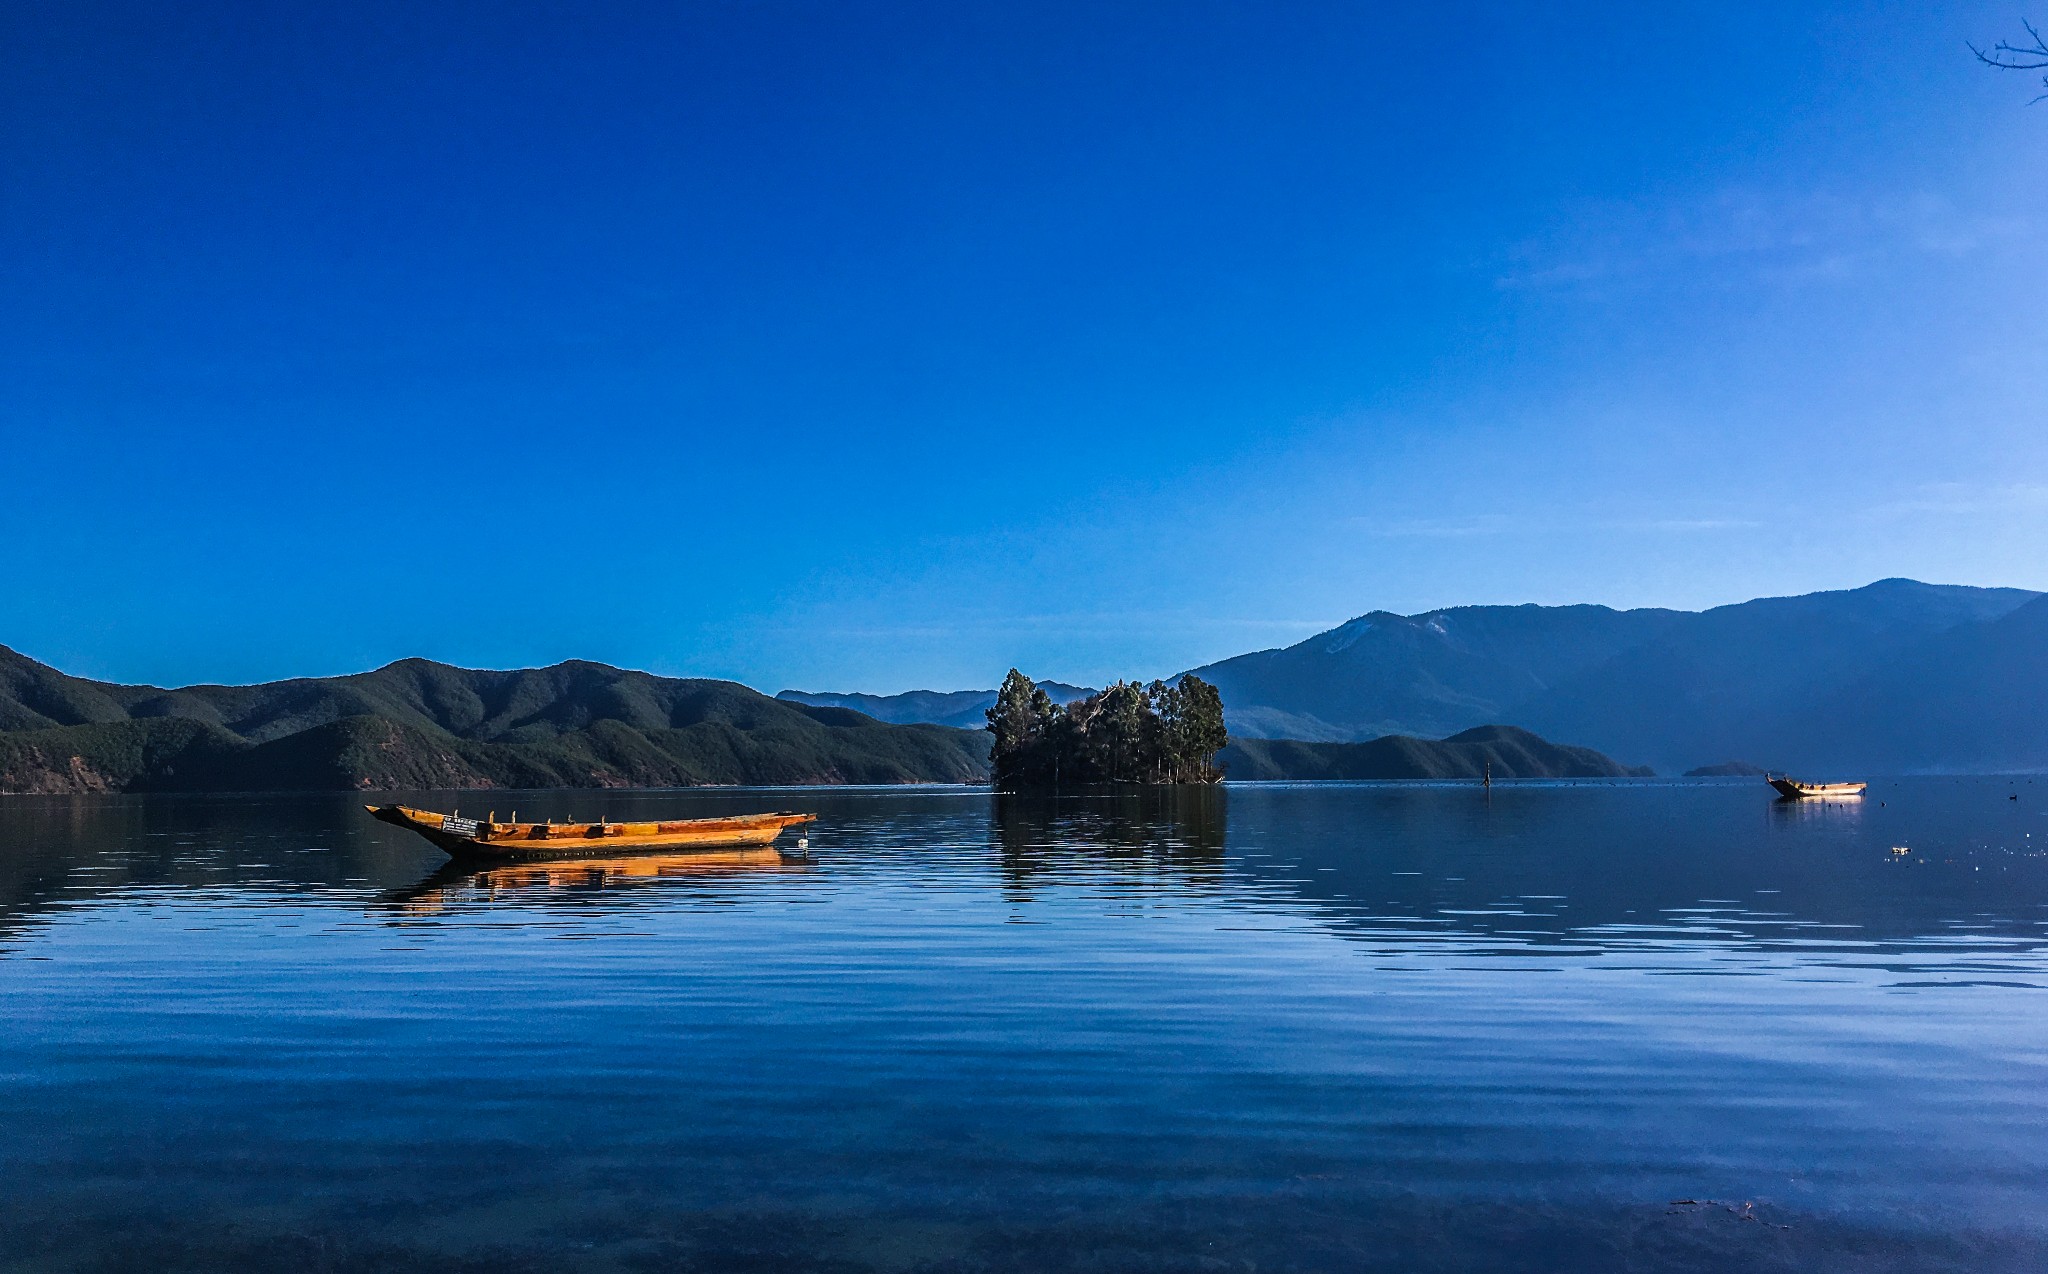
(1129, 733)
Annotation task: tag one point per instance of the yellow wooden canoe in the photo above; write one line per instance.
(488, 838)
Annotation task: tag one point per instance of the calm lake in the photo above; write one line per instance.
(1632, 1026)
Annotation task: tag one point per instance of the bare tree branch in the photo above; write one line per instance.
(2008, 56)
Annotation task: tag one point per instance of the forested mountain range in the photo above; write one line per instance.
(418, 724)
(1895, 677)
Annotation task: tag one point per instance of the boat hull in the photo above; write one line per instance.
(485, 839)
(1791, 789)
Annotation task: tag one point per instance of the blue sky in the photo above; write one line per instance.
(872, 347)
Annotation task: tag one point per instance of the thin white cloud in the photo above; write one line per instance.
(1500, 524)
(1686, 524)
(1447, 528)
(1744, 237)
(1097, 623)
(1962, 499)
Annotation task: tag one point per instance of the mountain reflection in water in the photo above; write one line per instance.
(1372, 1026)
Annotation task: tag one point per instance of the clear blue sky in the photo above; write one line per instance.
(872, 346)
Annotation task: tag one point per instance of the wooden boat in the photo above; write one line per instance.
(1793, 789)
(487, 838)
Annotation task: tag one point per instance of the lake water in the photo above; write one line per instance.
(1634, 1027)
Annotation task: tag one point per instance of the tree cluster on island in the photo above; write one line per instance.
(1128, 733)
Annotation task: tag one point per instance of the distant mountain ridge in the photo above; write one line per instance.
(418, 724)
(1783, 680)
(961, 709)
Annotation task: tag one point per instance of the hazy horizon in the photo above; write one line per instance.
(1038, 675)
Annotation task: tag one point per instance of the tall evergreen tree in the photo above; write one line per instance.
(1195, 726)
(1015, 722)
(1117, 734)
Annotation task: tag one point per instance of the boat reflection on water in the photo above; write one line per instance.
(460, 882)
(1807, 809)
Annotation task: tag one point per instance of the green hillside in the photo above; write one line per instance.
(417, 724)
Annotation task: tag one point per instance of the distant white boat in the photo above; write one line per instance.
(1795, 790)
